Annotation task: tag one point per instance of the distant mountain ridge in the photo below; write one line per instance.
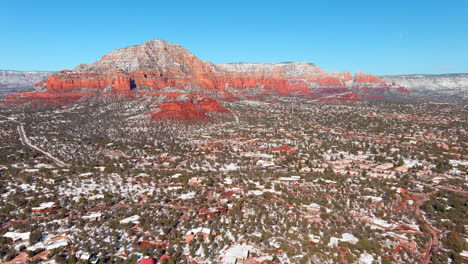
(14, 81)
(454, 84)
(22, 79)
(157, 64)
(173, 83)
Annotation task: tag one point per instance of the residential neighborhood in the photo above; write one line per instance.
(305, 183)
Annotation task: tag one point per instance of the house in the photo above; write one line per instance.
(346, 237)
(265, 164)
(373, 199)
(366, 258)
(464, 255)
(313, 208)
(292, 178)
(86, 175)
(211, 212)
(383, 167)
(314, 240)
(93, 217)
(284, 148)
(16, 236)
(194, 232)
(153, 244)
(377, 223)
(43, 207)
(89, 258)
(236, 253)
(195, 181)
(147, 260)
(228, 181)
(52, 243)
(132, 219)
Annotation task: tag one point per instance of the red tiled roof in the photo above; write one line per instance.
(147, 261)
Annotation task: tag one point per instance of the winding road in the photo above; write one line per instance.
(433, 246)
(25, 141)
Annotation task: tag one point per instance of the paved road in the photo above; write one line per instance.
(25, 141)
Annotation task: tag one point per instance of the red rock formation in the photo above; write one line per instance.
(194, 109)
(71, 81)
(330, 81)
(179, 111)
(157, 64)
(403, 90)
(347, 76)
(210, 105)
(122, 82)
(348, 97)
(362, 77)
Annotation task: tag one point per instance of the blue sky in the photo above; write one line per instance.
(381, 37)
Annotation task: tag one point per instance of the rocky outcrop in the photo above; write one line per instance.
(157, 64)
(362, 77)
(195, 108)
(68, 81)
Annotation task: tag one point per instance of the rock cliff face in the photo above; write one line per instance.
(157, 65)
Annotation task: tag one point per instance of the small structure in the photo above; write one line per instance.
(314, 240)
(313, 208)
(93, 217)
(345, 237)
(265, 164)
(147, 260)
(366, 258)
(289, 179)
(89, 258)
(132, 219)
(195, 181)
(236, 253)
(194, 232)
(464, 255)
(52, 243)
(44, 207)
(16, 236)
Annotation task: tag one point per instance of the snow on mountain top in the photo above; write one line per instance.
(291, 69)
(439, 82)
